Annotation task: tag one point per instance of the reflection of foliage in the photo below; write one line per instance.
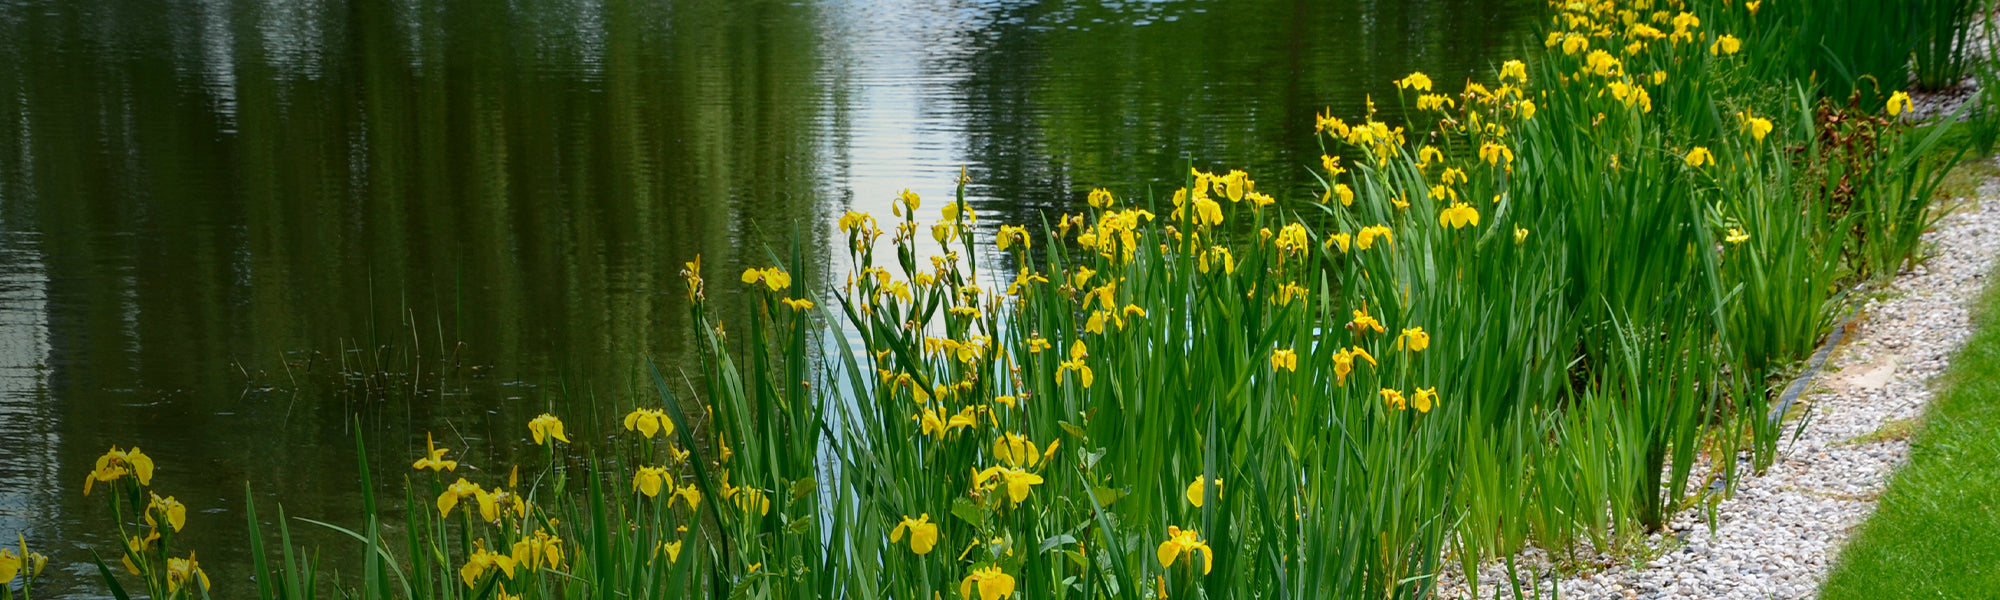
(1116, 104)
(430, 185)
(496, 170)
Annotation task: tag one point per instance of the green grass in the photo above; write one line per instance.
(1937, 532)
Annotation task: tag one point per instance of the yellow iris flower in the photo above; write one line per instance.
(1725, 44)
(116, 464)
(1235, 185)
(1343, 362)
(136, 545)
(1364, 322)
(991, 583)
(181, 572)
(1439, 192)
(1346, 194)
(1459, 216)
(1899, 103)
(542, 549)
(10, 566)
(547, 426)
(1429, 155)
(1326, 122)
(934, 423)
(1395, 399)
(1332, 165)
(1366, 238)
(853, 221)
(923, 533)
(1100, 198)
(1437, 102)
(1758, 127)
(692, 273)
(1082, 277)
(481, 560)
(1736, 236)
(1686, 21)
(1095, 324)
(772, 278)
(493, 504)
(1496, 155)
(1018, 482)
(1184, 542)
(1417, 81)
(1207, 212)
(14, 565)
(1016, 451)
(1700, 156)
(1285, 359)
(1603, 64)
(950, 212)
(1286, 293)
(1131, 310)
(1218, 254)
(1196, 492)
(1340, 240)
(1574, 43)
(1077, 352)
(1418, 340)
(434, 457)
(650, 480)
(648, 422)
(174, 512)
(458, 490)
(29, 562)
(1425, 398)
(688, 495)
(745, 497)
(1293, 238)
(1011, 234)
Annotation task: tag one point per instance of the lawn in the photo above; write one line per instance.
(1937, 532)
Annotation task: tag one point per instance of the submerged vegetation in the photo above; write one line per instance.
(1553, 309)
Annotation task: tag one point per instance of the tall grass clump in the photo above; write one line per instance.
(1844, 46)
(1943, 31)
(1551, 309)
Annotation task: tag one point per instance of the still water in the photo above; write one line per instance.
(232, 230)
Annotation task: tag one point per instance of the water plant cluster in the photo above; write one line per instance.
(1552, 308)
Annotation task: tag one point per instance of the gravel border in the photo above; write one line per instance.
(1778, 536)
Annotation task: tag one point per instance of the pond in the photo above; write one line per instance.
(233, 232)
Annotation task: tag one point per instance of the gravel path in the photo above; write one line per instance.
(1779, 535)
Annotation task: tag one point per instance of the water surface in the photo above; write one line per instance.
(231, 231)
